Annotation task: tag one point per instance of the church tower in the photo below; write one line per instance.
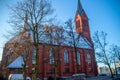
(81, 22)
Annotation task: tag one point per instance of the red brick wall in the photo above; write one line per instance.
(44, 65)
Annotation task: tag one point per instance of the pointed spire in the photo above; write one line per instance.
(79, 8)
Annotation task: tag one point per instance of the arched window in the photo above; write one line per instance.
(88, 57)
(33, 55)
(51, 55)
(84, 23)
(66, 60)
(78, 57)
(78, 23)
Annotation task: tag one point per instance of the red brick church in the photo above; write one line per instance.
(12, 59)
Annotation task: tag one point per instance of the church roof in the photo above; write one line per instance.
(63, 38)
(79, 8)
(16, 63)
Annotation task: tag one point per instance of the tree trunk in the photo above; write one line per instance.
(55, 73)
(24, 71)
(76, 63)
(110, 71)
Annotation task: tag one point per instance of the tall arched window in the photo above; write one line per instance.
(78, 23)
(78, 57)
(33, 55)
(51, 55)
(88, 57)
(66, 60)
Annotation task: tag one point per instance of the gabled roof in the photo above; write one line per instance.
(64, 39)
(45, 37)
(16, 63)
(79, 8)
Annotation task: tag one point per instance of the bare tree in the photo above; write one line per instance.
(59, 38)
(74, 40)
(37, 11)
(22, 48)
(115, 50)
(26, 46)
(18, 46)
(55, 38)
(101, 46)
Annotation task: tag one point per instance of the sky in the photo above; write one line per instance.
(104, 15)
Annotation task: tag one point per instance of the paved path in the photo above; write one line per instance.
(99, 78)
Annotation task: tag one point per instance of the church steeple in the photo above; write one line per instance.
(81, 22)
(79, 8)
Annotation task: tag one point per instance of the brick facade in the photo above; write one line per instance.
(45, 69)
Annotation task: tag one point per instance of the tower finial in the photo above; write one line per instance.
(79, 8)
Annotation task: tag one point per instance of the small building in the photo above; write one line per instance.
(105, 70)
(16, 66)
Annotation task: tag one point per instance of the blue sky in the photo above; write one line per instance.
(103, 15)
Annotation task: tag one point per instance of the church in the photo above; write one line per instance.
(55, 53)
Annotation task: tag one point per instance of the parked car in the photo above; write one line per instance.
(102, 74)
(17, 77)
(81, 76)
